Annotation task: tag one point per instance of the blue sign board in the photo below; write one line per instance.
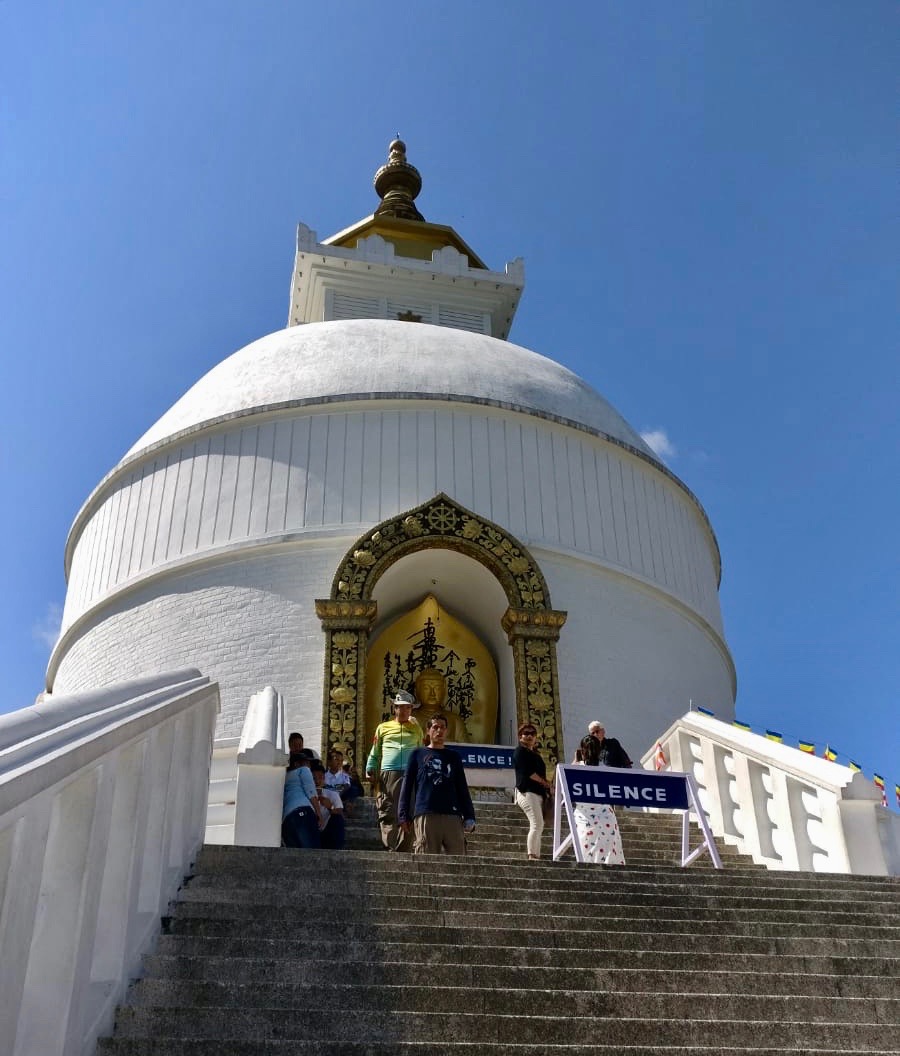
(626, 788)
(485, 756)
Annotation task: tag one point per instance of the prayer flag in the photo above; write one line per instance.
(660, 760)
(897, 793)
(705, 711)
(808, 747)
(879, 781)
(829, 754)
(855, 767)
(772, 735)
(742, 726)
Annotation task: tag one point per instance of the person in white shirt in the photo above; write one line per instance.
(338, 779)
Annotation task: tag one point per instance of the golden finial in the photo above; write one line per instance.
(397, 183)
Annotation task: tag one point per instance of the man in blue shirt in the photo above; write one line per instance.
(434, 797)
(299, 814)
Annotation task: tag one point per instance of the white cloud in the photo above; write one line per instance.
(46, 630)
(658, 441)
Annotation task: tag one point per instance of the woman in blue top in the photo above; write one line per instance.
(299, 816)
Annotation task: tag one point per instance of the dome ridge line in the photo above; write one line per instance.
(135, 458)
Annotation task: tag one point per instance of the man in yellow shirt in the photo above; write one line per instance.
(393, 744)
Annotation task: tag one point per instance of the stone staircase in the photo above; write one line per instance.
(363, 952)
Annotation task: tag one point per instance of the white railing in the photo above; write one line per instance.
(102, 805)
(786, 809)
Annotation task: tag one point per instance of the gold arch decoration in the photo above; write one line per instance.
(532, 626)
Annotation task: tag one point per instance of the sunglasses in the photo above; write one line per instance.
(529, 733)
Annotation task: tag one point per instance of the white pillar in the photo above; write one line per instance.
(261, 761)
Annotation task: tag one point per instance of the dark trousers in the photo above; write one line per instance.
(301, 828)
(334, 834)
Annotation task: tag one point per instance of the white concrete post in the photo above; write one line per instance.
(262, 757)
(861, 830)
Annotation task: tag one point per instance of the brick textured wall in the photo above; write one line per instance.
(246, 623)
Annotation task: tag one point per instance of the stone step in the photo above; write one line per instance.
(205, 1047)
(268, 860)
(502, 828)
(366, 953)
(647, 855)
(586, 884)
(693, 977)
(517, 1026)
(479, 843)
(510, 819)
(478, 911)
(731, 937)
(340, 998)
(766, 958)
(234, 886)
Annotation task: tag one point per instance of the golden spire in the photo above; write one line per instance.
(397, 183)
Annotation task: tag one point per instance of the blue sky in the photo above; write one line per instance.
(703, 194)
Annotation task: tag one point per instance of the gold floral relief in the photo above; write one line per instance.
(542, 709)
(343, 649)
(442, 519)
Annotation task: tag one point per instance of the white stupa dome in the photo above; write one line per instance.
(217, 542)
(383, 359)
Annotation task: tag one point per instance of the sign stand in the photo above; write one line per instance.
(629, 788)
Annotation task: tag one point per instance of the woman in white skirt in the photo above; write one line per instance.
(596, 826)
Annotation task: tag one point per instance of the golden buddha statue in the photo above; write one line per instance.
(435, 656)
(431, 699)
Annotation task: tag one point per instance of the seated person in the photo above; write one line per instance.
(331, 810)
(355, 782)
(300, 809)
(338, 779)
(295, 744)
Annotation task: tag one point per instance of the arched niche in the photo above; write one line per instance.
(530, 624)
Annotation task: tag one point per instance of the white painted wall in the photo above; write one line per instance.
(248, 620)
(628, 653)
(550, 484)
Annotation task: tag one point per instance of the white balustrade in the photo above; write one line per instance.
(102, 807)
(786, 809)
